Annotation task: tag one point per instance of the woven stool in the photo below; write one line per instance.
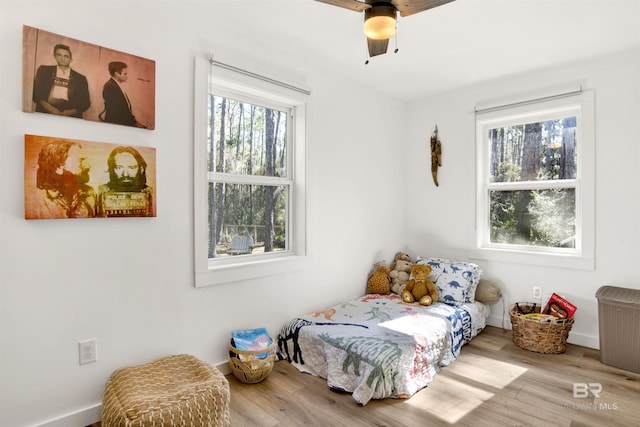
(172, 391)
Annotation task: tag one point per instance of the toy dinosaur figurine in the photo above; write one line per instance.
(436, 155)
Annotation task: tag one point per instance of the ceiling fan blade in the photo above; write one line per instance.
(377, 47)
(409, 7)
(355, 5)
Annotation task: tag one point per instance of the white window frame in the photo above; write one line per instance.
(581, 105)
(226, 82)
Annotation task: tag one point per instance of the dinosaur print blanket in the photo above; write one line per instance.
(377, 346)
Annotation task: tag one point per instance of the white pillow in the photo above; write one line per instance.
(456, 281)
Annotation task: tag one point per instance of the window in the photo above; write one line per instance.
(248, 175)
(249, 183)
(535, 183)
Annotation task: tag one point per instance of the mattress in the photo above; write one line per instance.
(377, 346)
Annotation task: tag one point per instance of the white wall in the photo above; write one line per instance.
(441, 219)
(129, 282)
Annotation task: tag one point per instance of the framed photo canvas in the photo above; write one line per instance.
(68, 77)
(68, 178)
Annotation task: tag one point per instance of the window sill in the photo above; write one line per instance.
(579, 262)
(246, 269)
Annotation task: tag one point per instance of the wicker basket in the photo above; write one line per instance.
(530, 334)
(252, 369)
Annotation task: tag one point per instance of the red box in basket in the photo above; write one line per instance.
(559, 307)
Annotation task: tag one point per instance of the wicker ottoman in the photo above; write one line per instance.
(173, 391)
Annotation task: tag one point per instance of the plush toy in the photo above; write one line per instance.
(419, 288)
(379, 281)
(400, 272)
(488, 292)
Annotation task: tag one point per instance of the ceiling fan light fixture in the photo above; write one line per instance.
(380, 22)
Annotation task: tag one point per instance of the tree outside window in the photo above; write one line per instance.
(249, 175)
(532, 183)
(249, 187)
(535, 166)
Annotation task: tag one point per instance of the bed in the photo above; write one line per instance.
(376, 346)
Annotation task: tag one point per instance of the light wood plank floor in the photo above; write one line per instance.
(493, 383)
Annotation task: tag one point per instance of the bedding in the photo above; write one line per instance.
(377, 346)
(456, 281)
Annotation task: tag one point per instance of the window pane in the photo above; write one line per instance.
(256, 212)
(533, 151)
(533, 217)
(246, 139)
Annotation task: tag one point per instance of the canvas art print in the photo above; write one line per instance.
(67, 178)
(67, 77)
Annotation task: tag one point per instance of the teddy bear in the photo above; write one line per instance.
(419, 287)
(400, 272)
(379, 281)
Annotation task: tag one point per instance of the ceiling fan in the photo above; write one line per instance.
(380, 17)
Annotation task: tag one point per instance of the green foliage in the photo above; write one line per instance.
(502, 216)
(247, 140)
(243, 133)
(553, 219)
(508, 172)
(533, 217)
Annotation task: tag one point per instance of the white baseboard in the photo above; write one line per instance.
(224, 368)
(583, 340)
(81, 418)
(498, 322)
(90, 415)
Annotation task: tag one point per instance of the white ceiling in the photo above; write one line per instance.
(448, 47)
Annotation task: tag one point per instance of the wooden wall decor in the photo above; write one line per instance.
(436, 155)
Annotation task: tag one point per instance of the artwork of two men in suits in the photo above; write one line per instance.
(86, 81)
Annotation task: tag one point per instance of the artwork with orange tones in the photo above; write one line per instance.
(68, 178)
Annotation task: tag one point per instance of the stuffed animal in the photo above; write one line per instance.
(419, 288)
(379, 281)
(400, 272)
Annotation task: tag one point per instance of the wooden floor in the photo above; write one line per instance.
(493, 383)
